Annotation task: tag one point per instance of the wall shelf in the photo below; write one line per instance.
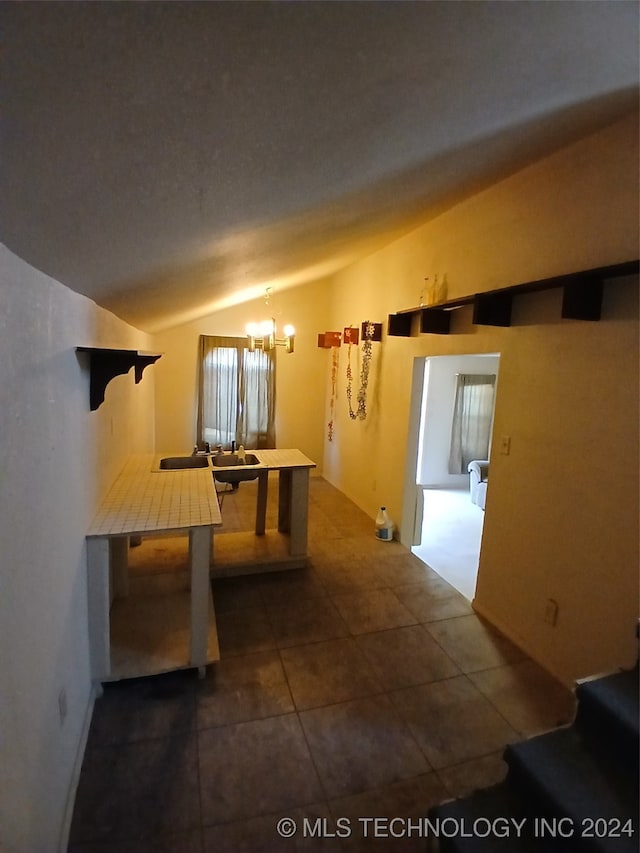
(581, 300)
(105, 364)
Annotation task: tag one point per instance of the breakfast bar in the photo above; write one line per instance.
(283, 548)
(162, 630)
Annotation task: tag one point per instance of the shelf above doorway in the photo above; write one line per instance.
(581, 300)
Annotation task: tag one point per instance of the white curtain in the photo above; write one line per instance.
(236, 393)
(472, 417)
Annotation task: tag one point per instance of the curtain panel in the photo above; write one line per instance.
(236, 393)
(472, 418)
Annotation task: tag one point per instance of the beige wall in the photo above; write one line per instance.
(562, 508)
(300, 376)
(57, 459)
(561, 518)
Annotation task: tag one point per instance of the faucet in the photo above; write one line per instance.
(201, 447)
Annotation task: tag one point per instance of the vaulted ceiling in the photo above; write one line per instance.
(167, 159)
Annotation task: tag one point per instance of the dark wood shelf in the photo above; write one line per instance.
(581, 300)
(105, 364)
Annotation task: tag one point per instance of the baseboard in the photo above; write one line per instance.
(77, 767)
(521, 644)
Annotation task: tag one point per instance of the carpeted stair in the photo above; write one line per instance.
(572, 789)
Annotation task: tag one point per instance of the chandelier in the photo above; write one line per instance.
(264, 335)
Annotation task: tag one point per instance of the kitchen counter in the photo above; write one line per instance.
(143, 501)
(139, 635)
(284, 548)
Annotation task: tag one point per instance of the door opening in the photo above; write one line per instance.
(447, 524)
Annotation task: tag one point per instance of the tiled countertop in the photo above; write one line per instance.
(277, 460)
(142, 501)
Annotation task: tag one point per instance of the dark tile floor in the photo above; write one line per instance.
(362, 686)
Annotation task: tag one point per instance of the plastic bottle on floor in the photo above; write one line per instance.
(384, 525)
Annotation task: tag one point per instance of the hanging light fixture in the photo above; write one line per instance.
(264, 335)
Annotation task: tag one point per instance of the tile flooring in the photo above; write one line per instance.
(362, 686)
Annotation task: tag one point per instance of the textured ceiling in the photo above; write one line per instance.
(166, 159)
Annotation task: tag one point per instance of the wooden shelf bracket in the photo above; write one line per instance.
(105, 364)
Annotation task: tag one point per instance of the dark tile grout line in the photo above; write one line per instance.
(304, 733)
(467, 673)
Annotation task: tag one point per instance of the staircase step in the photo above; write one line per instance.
(565, 778)
(490, 820)
(611, 704)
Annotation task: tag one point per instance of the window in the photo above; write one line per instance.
(236, 393)
(472, 416)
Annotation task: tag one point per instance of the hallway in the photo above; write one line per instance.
(363, 685)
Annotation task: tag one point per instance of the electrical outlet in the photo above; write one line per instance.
(62, 705)
(551, 612)
(505, 445)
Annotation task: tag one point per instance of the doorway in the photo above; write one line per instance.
(447, 525)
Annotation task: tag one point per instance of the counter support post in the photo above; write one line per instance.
(200, 543)
(284, 501)
(120, 566)
(298, 511)
(261, 507)
(98, 560)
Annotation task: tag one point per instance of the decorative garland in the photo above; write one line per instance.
(335, 358)
(361, 412)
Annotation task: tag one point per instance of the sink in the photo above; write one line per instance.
(176, 463)
(233, 471)
(240, 472)
(226, 460)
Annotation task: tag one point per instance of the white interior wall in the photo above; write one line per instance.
(57, 458)
(438, 416)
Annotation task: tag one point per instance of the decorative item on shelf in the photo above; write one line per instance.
(422, 290)
(433, 293)
(327, 340)
(370, 332)
(442, 289)
(433, 290)
(264, 335)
